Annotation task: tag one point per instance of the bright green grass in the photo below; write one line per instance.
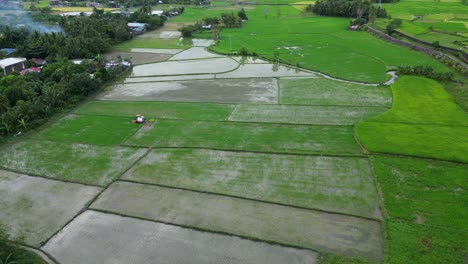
(329, 183)
(422, 100)
(293, 114)
(334, 259)
(424, 216)
(149, 43)
(424, 121)
(75, 162)
(336, 140)
(169, 110)
(99, 130)
(430, 141)
(321, 91)
(431, 192)
(413, 243)
(19, 255)
(318, 43)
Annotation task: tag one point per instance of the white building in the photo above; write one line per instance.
(10, 65)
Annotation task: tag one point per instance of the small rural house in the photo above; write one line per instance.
(10, 65)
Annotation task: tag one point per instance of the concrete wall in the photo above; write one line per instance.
(15, 67)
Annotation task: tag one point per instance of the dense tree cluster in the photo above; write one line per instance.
(346, 8)
(426, 71)
(143, 15)
(82, 37)
(393, 25)
(25, 101)
(227, 20)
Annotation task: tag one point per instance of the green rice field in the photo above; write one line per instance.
(336, 140)
(288, 179)
(71, 162)
(423, 121)
(247, 160)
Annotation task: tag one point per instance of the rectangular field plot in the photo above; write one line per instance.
(99, 130)
(185, 111)
(249, 137)
(424, 191)
(112, 239)
(428, 141)
(213, 65)
(218, 91)
(293, 114)
(82, 163)
(333, 184)
(264, 70)
(321, 91)
(343, 235)
(36, 208)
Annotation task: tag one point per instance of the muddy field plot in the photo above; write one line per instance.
(139, 57)
(127, 240)
(99, 130)
(264, 70)
(343, 235)
(169, 110)
(292, 114)
(157, 51)
(36, 208)
(222, 91)
(195, 53)
(214, 65)
(328, 183)
(337, 140)
(82, 163)
(169, 78)
(322, 91)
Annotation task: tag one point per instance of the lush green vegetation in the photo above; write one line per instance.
(424, 121)
(13, 254)
(431, 141)
(159, 110)
(343, 8)
(288, 179)
(423, 101)
(25, 101)
(321, 91)
(254, 137)
(98, 130)
(423, 201)
(430, 21)
(310, 41)
(75, 162)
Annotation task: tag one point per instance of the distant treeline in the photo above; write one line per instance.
(347, 8)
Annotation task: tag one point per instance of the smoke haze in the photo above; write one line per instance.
(12, 14)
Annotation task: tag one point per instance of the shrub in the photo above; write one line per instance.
(426, 71)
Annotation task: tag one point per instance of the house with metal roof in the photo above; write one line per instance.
(10, 65)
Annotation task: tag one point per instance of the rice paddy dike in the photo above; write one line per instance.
(247, 161)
